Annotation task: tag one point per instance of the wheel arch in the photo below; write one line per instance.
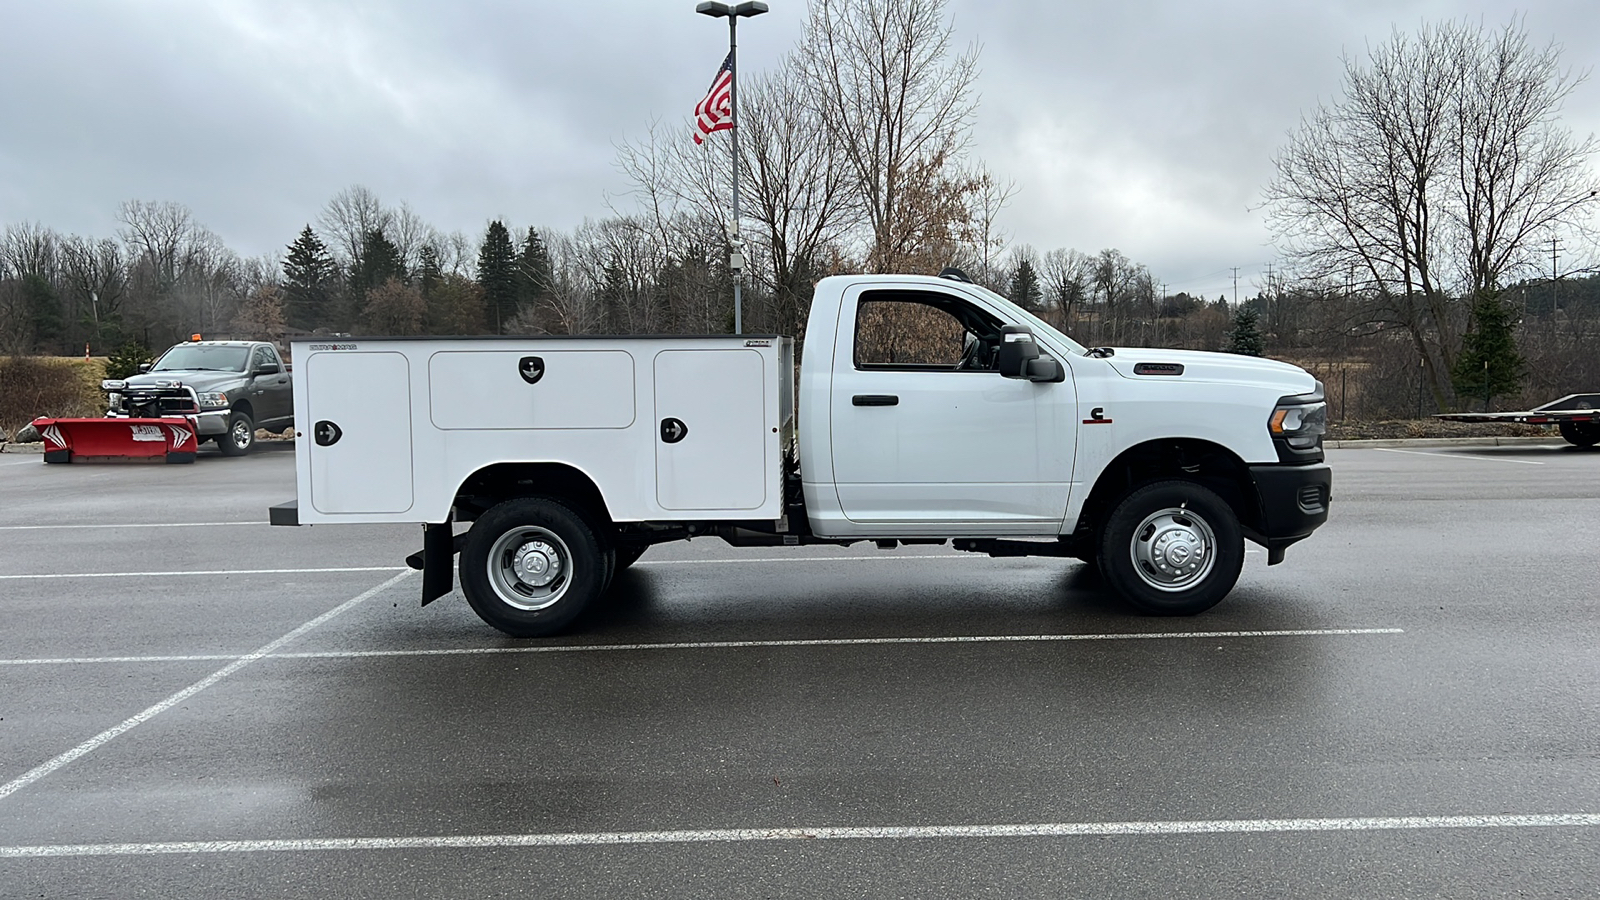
(498, 482)
(1191, 459)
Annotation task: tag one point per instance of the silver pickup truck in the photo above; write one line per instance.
(230, 387)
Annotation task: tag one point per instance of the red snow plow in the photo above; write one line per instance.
(172, 438)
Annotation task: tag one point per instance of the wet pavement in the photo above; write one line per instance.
(195, 704)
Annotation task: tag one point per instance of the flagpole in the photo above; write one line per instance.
(735, 244)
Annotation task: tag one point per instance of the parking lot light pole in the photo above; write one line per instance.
(732, 11)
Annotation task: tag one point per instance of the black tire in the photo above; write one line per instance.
(565, 568)
(240, 436)
(1581, 434)
(1172, 548)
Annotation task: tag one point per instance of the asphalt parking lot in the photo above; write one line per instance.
(194, 704)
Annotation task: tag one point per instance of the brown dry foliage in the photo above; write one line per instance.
(33, 386)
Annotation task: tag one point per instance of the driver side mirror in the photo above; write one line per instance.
(1020, 357)
(1017, 349)
(266, 369)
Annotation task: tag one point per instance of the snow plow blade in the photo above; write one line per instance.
(173, 438)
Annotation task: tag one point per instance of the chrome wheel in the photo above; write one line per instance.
(530, 567)
(1173, 549)
(242, 431)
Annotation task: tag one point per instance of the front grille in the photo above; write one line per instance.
(152, 404)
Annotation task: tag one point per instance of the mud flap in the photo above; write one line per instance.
(438, 561)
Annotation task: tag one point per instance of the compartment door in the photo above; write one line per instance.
(710, 424)
(360, 440)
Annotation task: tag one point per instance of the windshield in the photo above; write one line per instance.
(195, 356)
(1037, 323)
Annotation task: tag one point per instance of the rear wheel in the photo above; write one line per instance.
(530, 566)
(1581, 434)
(1172, 548)
(240, 436)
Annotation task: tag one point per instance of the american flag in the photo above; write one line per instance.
(715, 112)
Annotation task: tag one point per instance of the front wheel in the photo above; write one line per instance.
(240, 436)
(1580, 434)
(1172, 548)
(530, 566)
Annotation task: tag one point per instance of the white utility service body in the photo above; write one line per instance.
(928, 410)
(391, 428)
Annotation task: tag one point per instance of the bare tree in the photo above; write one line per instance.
(1433, 178)
(881, 77)
(349, 216)
(96, 271)
(410, 233)
(1066, 275)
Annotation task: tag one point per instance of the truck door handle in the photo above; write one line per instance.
(875, 400)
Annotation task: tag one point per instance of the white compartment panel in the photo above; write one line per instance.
(368, 396)
(483, 389)
(721, 464)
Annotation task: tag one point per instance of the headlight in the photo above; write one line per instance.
(113, 384)
(1300, 420)
(213, 400)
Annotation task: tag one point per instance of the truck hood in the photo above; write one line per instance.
(202, 380)
(1199, 365)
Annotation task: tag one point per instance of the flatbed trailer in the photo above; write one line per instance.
(1577, 415)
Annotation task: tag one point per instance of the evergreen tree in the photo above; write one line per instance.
(308, 281)
(1025, 291)
(534, 272)
(380, 261)
(1489, 364)
(124, 362)
(456, 306)
(44, 308)
(497, 275)
(429, 272)
(613, 298)
(1245, 338)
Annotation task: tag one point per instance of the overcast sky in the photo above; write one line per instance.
(1145, 126)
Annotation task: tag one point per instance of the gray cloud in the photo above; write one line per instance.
(1146, 126)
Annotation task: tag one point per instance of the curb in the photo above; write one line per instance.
(1380, 443)
(12, 447)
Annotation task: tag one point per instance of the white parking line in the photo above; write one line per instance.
(207, 572)
(134, 721)
(127, 525)
(884, 557)
(831, 833)
(727, 645)
(1520, 462)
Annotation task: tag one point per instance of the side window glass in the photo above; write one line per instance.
(902, 333)
(260, 358)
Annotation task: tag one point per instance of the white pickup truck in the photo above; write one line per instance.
(927, 410)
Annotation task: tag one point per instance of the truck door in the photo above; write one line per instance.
(925, 431)
(272, 394)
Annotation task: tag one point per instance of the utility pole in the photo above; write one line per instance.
(1555, 289)
(1235, 287)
